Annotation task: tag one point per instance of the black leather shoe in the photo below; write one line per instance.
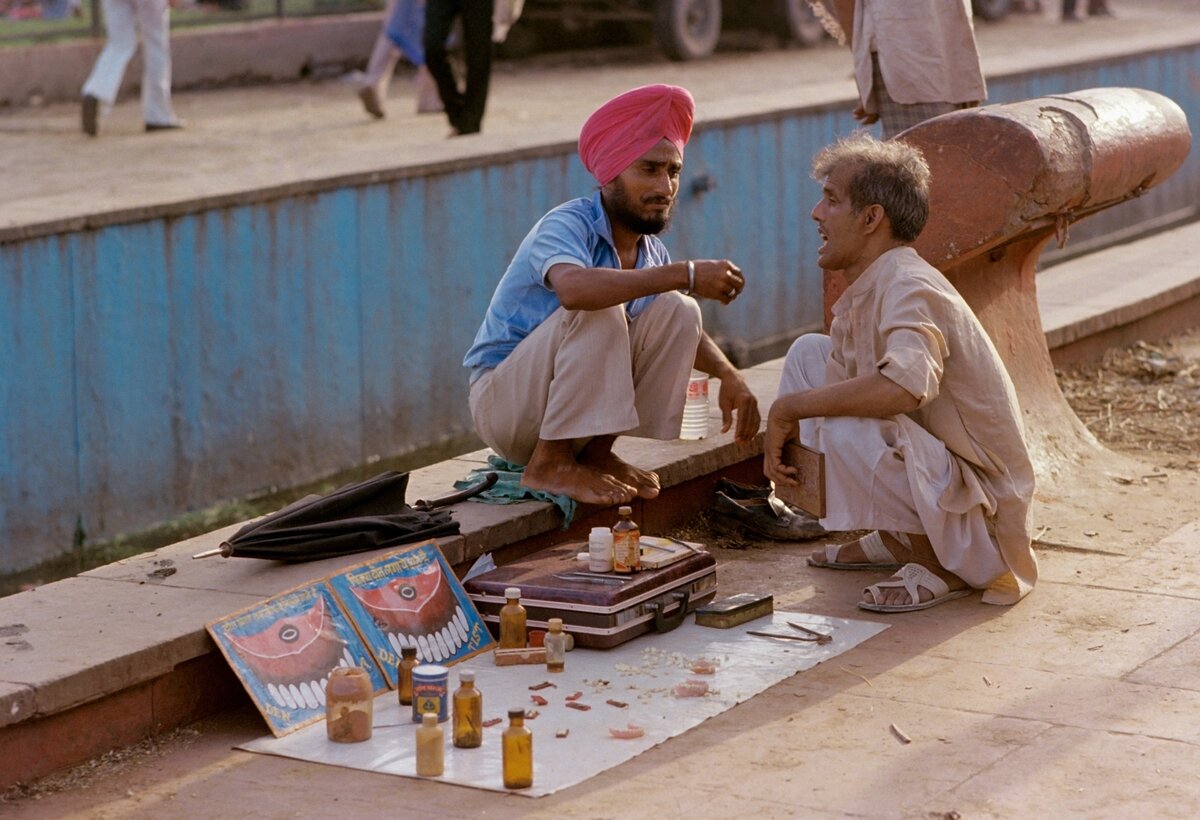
(370, 101)
(163, 126)
(766, 516)
(91, 113)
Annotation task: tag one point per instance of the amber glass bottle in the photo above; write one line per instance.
(556, 646)
(468, 713)
(627, 542)
(408, 660)
(512, 620)
(431, 746)
(517, 751)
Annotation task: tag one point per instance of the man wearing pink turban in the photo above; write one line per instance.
(593, 331)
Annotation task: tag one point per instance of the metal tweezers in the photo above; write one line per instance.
(810, 635)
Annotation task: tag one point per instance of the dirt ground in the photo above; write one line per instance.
(1140, 402)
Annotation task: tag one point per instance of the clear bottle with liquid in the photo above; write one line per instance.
(408, 662)
(556, 646)
(431, 746)
(349, 705)
(512, 620)
(627, 542)
(695, 408)
(468, 713)
(516, 745)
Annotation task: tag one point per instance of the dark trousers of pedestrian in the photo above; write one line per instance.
(463, 108)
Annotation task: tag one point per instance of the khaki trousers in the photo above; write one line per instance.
(586, 373)
(892, 474)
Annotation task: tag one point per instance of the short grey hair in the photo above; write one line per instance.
(891, 174)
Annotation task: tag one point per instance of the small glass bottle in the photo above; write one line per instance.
(512, 620)
(349, 705)
(408, 661)
(431, 747)
(468, 713)
(556, 646)
(627, 542)
(516, 746)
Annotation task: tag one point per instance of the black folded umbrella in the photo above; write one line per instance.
(367, 515)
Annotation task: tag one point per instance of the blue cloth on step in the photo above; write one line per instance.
(508, 489)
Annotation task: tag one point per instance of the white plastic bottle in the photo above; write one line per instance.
(695, 408)
(600, 550)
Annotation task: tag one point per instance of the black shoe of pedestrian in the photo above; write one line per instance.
(163, 126)
(370, 101)
(91, 115)
(766, 516)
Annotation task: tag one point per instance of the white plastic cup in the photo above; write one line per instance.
(600, 550)
(695, 408)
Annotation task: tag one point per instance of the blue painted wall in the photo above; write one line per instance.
(156, 367)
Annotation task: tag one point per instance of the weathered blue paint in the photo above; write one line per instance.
(154, 367)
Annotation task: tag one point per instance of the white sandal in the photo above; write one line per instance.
(878, 555)
(910, 577)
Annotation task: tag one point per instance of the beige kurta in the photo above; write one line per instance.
(926, 49)
(961, 455)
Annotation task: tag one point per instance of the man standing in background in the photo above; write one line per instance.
(913, 59)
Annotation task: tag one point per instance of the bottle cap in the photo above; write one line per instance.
(466, 677)
(512, 592)
(601, 531)
(516, 713)
(624, 510)
(582, 556)
(429, 718)
(408, 651)
(555, 624)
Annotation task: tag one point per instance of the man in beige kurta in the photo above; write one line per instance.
(907, 398)
(913, 59)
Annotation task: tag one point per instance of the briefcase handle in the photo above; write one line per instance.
(664, 624)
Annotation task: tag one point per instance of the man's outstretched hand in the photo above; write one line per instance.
(735, 399)
(782, 427)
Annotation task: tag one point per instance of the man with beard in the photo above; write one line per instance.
(592, 332)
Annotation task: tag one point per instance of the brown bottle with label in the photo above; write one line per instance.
(408, 661)
(468, 713)
(627, 542)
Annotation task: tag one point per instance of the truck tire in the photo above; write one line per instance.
(991, 9)
(687, 29)
(797, 22)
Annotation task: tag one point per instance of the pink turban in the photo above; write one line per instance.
(630, 124)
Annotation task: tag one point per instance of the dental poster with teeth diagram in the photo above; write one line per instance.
(284, 648)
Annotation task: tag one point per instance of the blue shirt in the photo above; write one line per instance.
(577, 233)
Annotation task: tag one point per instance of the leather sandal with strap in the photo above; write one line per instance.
(909, 578)
(878, 555)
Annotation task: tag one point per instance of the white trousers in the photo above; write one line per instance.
(125, 20)
(889, 474)
(587, 373)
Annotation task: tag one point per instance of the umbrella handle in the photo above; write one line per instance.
(462, 495)
(225, 550)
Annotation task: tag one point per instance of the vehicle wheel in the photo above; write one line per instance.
(991, 9)
(796, 20)
(688, 29)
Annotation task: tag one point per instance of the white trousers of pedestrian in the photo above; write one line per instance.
(889, 474)
(124, 21)
(586, 373)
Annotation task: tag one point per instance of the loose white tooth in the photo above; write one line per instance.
(274, 693)
(441, 642)
(309, 699)
(296, 696)
(287, 696)
(423, 650)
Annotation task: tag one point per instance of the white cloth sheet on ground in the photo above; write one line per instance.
(640, 673)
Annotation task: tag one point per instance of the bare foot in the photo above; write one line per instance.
(579, 482)
(644, 481)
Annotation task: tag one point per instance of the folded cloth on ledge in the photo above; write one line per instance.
(508, 489)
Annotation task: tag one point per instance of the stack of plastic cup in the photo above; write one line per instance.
(695, 408)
